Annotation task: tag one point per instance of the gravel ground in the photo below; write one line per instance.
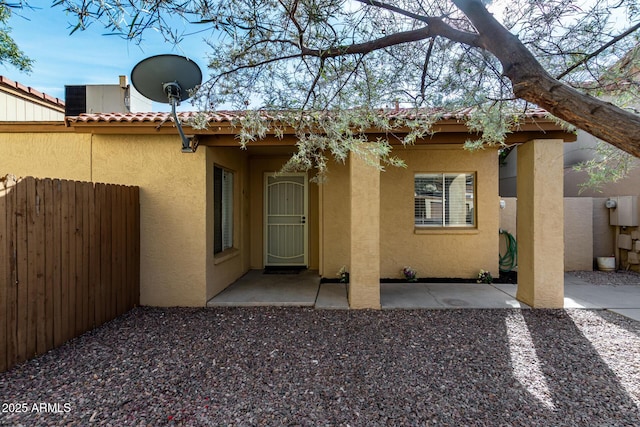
(615, 278)
(305, 367)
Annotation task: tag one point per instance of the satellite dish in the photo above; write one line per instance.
(168, 79)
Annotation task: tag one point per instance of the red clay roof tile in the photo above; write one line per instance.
(228, 116)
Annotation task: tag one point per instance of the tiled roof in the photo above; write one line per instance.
(30, 93)
(229, 116)
(149, 117)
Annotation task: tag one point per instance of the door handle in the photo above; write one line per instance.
(303, 220)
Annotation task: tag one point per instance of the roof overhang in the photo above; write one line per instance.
(223, 126)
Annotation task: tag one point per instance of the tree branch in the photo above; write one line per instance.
(598, 51)
(437, 25)
(395, 9)
(423, 33)
(425, 68)
(532, 83)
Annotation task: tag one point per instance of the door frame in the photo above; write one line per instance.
(265, 228)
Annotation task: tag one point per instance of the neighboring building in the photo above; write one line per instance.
(209, 217)
(19, 103)
(25, 104)
(577, 152)
(120, 98)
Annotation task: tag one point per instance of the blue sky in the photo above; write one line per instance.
(85, 57)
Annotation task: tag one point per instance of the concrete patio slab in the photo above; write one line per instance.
(332, 296)
(257, 289)
(445, 295)
(601, 296)
(304, 289)
(407, 295)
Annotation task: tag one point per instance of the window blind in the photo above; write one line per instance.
(444, 200)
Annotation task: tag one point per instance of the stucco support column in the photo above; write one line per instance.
(364, 268)
(540, 223)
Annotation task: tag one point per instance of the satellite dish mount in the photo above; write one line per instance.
(168, 79)
(189, 144)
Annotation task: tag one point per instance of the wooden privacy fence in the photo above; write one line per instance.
(69, 261)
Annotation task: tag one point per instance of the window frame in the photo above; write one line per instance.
(442, 225)
(223, 209)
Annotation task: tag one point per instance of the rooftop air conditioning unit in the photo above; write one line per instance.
(115, 98)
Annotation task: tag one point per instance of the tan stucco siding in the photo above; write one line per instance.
(440, 252)
(226, 267)
(364, 230)
(540, 224)
(435, 253)
(335, 214)
(46, 155)
(172, 212)
(578, 233)
(582, 224)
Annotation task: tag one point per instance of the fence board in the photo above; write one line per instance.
(107, 256)
(11, 286)
(86, 256)
(40, 248)
(99, 266)
(57, 250)
(136, 272)
(78, 261)
(48, 262)
(115, 253)
(4, 275)
(23, 271)
(130, 245)
(121, 239)
(64, 261)
(31, 279)
(93, 265)
(71, 262)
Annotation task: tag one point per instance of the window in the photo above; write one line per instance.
(444, 199)
(222, 209)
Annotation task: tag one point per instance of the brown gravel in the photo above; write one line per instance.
(304, 367)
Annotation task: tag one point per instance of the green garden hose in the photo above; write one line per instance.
(509, 260)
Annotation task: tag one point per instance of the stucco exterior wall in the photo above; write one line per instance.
(578, 233)
(456, 253)
(172, 212)
(364, 271)
(335, 211)
(540, 224)
(434, 253)
(224, 268)
(46, 155)
(581, 224)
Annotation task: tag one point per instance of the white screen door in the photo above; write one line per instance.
(285, 206)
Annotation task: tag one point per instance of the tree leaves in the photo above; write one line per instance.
(9, 51)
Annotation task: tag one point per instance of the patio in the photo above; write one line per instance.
(305, 290)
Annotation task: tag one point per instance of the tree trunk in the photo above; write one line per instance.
(532, 83)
